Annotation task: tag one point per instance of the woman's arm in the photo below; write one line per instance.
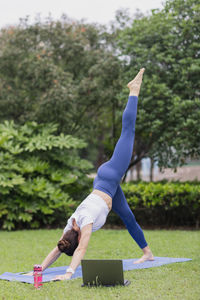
(51, 257)
(79, 252)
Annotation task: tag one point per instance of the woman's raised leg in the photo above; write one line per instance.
(110, 173)
(124, 148)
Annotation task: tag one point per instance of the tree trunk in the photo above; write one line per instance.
(138, 170)
(151, 169)
(113, 124)
(100, 158)
(131, 171)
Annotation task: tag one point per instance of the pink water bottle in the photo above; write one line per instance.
(37, 273)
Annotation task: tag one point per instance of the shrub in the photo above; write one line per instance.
(41, 175)
(164, 204)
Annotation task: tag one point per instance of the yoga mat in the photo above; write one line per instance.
(128, 265)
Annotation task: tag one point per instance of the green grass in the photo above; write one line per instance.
(20, 250)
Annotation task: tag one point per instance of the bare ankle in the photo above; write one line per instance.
(146, 250)
(133, 93)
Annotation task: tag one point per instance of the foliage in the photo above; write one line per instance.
(166, 43)
(41, 175)
(164, 203)
(59, 71)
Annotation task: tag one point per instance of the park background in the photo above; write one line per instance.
(62, 94)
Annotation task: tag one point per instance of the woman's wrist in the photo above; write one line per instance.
(69, 273)
(43, 268)
(70, 270)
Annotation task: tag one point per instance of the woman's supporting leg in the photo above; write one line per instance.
(121, 207)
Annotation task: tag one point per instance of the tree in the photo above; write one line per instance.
(166, 43)
(61, 72)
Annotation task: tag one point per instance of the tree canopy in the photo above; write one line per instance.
(166, 43)
(59, 72)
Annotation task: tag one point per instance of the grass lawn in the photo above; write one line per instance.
(20, 250)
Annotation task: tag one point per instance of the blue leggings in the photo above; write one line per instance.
(110, 173)
(121, 207)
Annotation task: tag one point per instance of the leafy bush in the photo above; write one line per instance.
(41, 175)
(164, 204)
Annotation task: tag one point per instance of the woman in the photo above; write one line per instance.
(107, 194)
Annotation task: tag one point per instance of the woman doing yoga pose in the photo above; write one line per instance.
(107, 194)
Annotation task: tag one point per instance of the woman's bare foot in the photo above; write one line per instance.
(144, 258)
(147, 256)
(135, 84)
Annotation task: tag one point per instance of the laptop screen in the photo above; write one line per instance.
(102, 272)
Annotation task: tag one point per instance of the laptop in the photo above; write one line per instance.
(104, 272)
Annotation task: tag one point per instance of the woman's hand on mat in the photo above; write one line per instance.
(62, 277)
(29, 274)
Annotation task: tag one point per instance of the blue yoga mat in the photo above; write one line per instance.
(128, 265)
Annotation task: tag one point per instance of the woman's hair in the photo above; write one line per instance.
(69, 242)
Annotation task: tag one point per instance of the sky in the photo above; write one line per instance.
(100, 11)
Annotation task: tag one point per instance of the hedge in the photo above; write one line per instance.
(155, 204)
(163, 204)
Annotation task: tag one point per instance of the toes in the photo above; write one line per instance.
(138, 77)
(140, 73)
